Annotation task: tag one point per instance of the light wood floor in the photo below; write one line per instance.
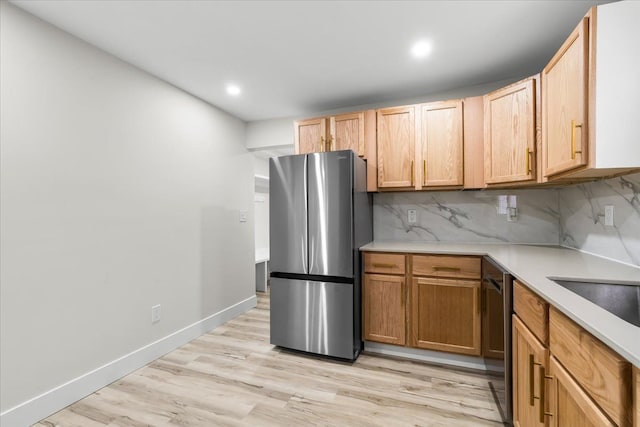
(234, 377)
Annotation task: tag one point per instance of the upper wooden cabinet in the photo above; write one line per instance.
(590, 101)
(421, 146)
(396, 147)
(350, 131)
(510, 123)
(565, 110)
(310, 135)
(441, 144)
(473, 130)
(570, 123)
(347, 132)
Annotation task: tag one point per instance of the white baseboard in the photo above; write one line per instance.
(34, 410)
(438, 357)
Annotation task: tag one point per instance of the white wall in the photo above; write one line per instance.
(261, 203)
(269, 133)
(260, 164)
(118, 192)
(261, 207)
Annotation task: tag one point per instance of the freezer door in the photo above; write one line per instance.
(288, 214)
(316, 317)
(331, 213)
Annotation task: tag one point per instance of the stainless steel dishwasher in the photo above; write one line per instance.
(498, 285)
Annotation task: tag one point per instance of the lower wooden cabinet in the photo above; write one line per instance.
(383, 307)
(445, 315)
(423, 301)
(570, 405)
(575, 382)
(529, 358)
(600, 371)
(636, 396)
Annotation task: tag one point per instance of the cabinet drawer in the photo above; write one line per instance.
(457, 267)
(604, 375)
(533, 310)
(384, 263)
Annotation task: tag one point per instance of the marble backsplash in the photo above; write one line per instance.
(570, 216)
(467, 216)
(582, 224)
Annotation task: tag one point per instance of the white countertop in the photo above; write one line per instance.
(533, 264)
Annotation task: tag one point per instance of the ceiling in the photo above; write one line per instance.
(297, 58)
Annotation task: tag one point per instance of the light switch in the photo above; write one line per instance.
(243, 216)
(503, 204)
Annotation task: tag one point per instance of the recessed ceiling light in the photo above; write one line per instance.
(233, 90)
(421, 49)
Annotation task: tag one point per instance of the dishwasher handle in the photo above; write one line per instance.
(495, 284)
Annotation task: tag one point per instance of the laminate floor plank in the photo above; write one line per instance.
(233, 377)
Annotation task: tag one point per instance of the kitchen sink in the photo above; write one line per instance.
(620, 299)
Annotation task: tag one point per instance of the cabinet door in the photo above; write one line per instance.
(510, 133)
(441, 143)
(564, 104)
(529, 361)
(570, 405)
(310, 135)
(396, 145)
(445, 315)
(636, 396)
(347, 133)
(383, 306)
(492, 322)
(600, 371)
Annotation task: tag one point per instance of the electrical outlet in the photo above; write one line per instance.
(155, 313)
(412, 216)
(608, 215)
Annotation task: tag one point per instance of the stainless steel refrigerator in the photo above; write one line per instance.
(320, 214)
